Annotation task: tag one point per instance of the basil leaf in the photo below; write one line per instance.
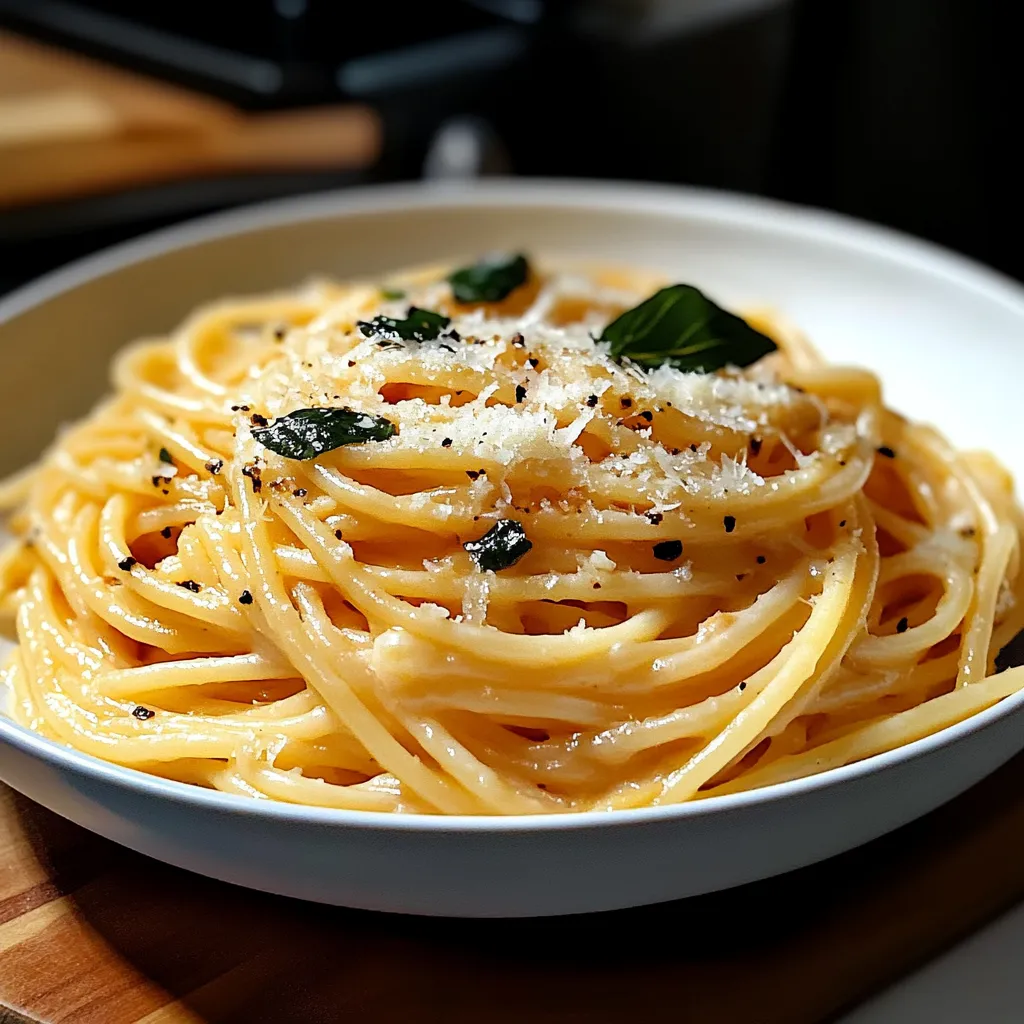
(501, 546)
(490, 279)
(1012, 654)
(165, 456)
(307, 433)
(392, 293)
(419, 325)
(681, 326)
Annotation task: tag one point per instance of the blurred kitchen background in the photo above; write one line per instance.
(118, 116)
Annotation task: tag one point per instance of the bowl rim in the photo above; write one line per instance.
(746, 212)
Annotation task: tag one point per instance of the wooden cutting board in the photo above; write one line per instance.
(93, 934)
(70, 126)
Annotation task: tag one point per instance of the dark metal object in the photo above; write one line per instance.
(287, 52)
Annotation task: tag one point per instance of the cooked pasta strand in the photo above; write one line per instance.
(539, 581)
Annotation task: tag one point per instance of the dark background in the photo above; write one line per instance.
(898, 111)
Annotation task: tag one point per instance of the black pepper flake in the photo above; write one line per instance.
(245, 597)
(125, 565)
(597, 586)
(887, 452)
(239, 408)
(446, 443)
(337, 534)
(743, 685)
(299, 492)
(520, 393)
(165, 491)
(280, 331)
(190, 585)
(668, 550)
(592, 400)
(968, 531)
(253, 473)
(729, 523)
(693, 447)
(474, 473)
(842, 523)
(518, 340)
(761, 559)
(654, 517)
(534, 362)
(755, 445)
(454, 335)
(903, 625)
(626, 402)
(214, 466)
(142, 713)
(351, 363)
(257, 420)
(166, 533)
(647, 415)
(740, 576)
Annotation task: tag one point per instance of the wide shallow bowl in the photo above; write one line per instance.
(945, 334)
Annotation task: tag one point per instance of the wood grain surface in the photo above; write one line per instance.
(91, 933)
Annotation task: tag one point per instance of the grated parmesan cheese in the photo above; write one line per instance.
(571, 398)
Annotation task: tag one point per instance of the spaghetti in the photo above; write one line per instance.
(431, 547)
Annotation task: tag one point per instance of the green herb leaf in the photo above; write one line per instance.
(681, 326)
(307, 433)
(165, 456)
(392, 293)
(419, 325)
(490, 279)
(501, 546)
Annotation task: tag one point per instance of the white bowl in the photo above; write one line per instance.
(945, 334)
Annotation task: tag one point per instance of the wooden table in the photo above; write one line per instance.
(91, 933)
